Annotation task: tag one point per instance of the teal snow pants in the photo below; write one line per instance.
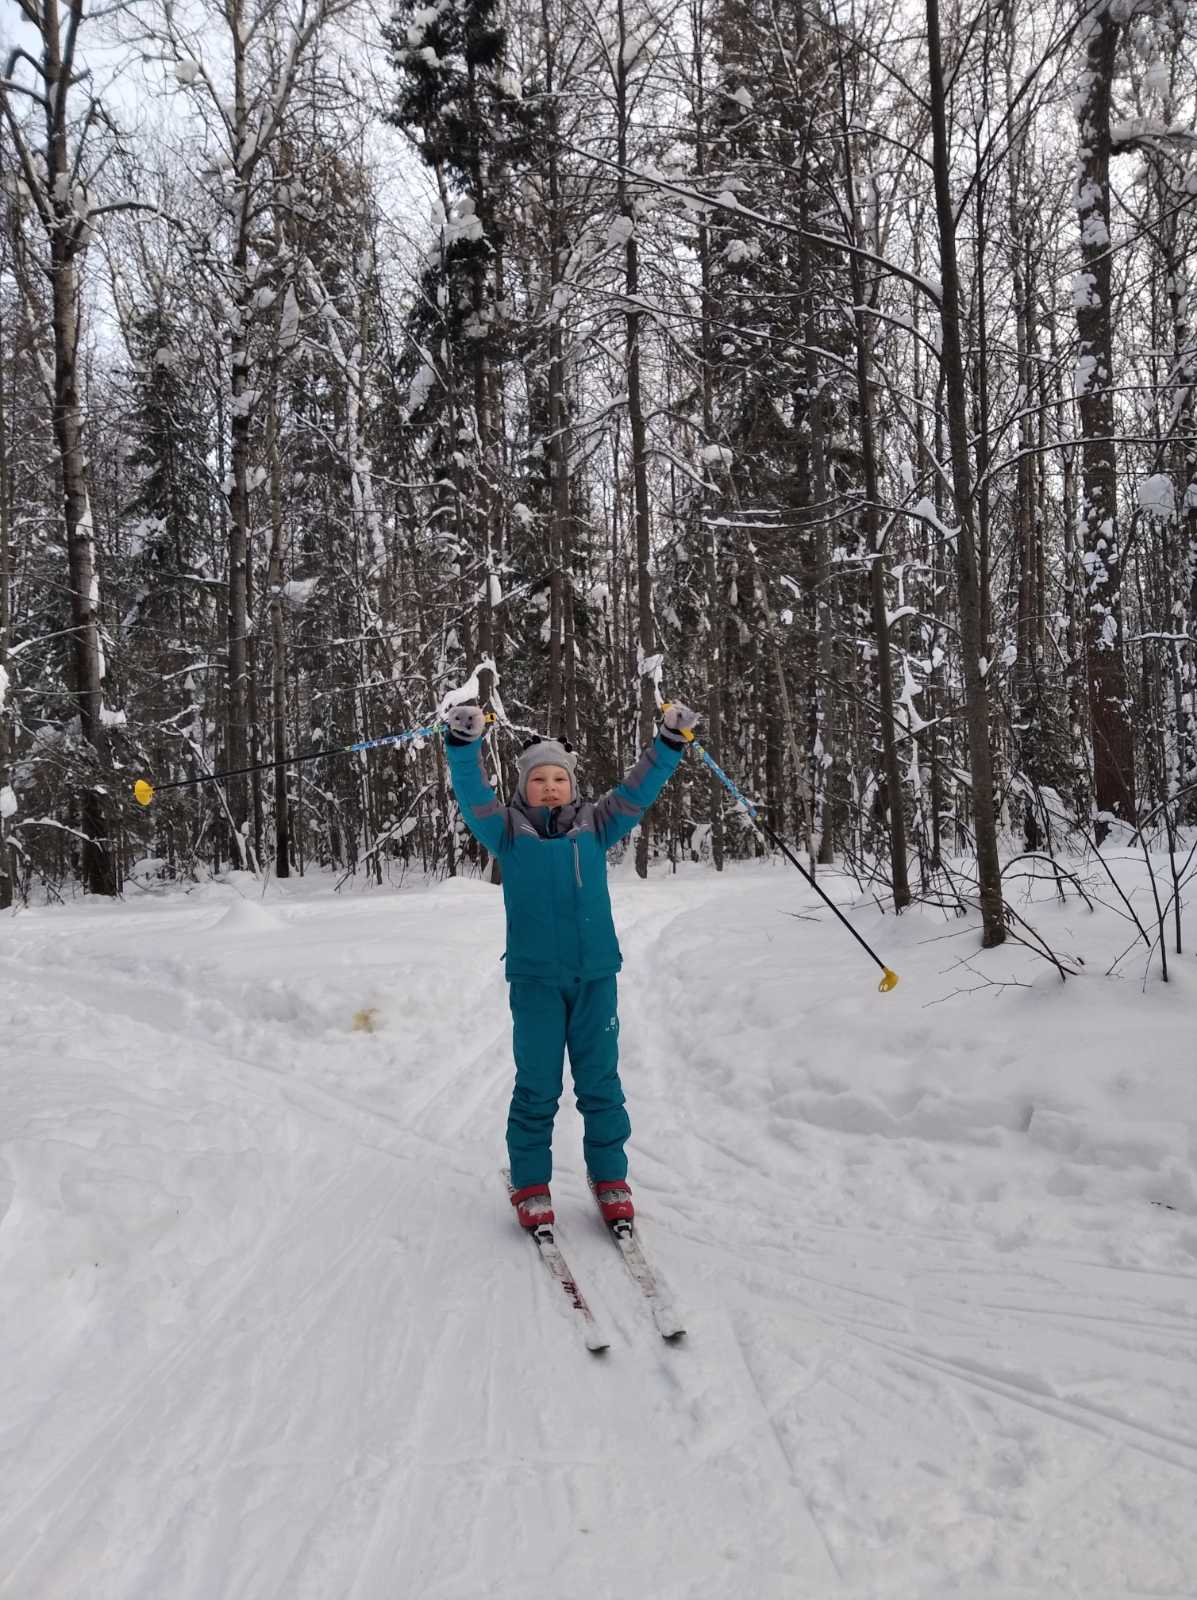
(547, 1019)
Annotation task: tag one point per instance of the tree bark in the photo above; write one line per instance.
(98, 874)
(1109, 716)
(6, 882)
(713, 734)
(968, 576)
(558, 455)
(871, 529)
(1029, 730)
(278, 654)
(1183, 412)
(237, 618)
(60, 199)
(646, 630)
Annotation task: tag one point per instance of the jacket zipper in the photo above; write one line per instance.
(577, 865)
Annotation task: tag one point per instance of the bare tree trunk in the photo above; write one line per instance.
(928, 458)
(825, 752)
(237, 625)
(1113, 737)
(1070, 570)
(710, 551)
(824, 693)
(98, 873)
(884, 660)
(558, 457)
(968, 576)
(1183, 411)
(646, 630)
(793, 744)
(558, 514)
(1029, 732)
(278, 654)
(872, 534)
(6, 886)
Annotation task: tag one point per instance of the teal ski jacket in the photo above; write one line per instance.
(559, 925)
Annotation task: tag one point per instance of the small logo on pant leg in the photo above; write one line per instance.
(613, 1025)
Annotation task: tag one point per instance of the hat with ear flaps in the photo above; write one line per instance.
(546, 753)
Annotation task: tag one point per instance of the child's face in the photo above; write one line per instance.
(548, 786)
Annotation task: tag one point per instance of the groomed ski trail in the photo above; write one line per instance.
(275, 1333)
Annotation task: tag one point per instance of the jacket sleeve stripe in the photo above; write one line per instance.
(618, 812)
(484, 813)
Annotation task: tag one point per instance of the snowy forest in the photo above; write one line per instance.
(826, 369)
(830, 367)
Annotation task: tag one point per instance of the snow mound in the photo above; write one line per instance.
(1118, 1145)
(248, 916)
(455, 888)
(930, 1116)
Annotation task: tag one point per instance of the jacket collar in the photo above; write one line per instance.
(549, 822)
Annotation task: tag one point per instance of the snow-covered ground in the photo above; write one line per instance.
(267, 1327)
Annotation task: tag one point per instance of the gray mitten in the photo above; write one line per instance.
(676, 721)
(465, 724)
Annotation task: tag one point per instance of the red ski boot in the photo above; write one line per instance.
(533, 1206)
(614, 1198)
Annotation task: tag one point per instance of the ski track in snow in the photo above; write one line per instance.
(269, 1330)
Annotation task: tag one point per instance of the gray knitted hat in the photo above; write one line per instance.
(546, 753)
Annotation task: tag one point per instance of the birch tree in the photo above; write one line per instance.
(57, 130)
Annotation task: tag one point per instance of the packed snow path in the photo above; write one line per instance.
(268, 1329)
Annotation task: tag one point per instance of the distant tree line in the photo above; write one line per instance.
(837, 380)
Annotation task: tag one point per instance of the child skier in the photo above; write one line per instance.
(562, 954)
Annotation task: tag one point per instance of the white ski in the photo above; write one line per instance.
(593, 1335)
(664, 1313)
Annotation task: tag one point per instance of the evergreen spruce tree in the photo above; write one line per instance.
(165, 574)
(473, 133)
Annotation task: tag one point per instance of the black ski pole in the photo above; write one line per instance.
(144, 791)
(889, 977)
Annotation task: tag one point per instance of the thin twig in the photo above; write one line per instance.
(1060, 872)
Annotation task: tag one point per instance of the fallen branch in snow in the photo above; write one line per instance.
(1060, 872)
(1162, 806)
(986, 982)
(47, 822)
(1035, 942)
(1119, 959)
(937, 938)
(1038, 945)
(961, 903)
(1092, 844)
